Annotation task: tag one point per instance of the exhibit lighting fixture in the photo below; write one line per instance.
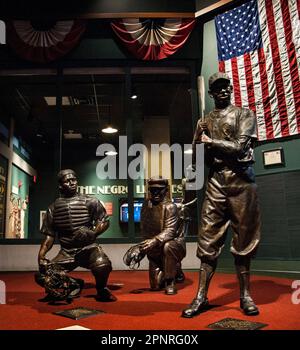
(109, 130)
(133, 94)
(39, 132)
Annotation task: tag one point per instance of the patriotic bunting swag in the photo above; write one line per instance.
(43, 44)
(153, 39)
(259, 48)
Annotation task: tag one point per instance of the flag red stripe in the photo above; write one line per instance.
(249, 82)
(236, 82)
(292, 58)
(222, 66)
(282, 109)
(265, 94)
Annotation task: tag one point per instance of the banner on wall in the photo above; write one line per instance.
(3, 189)
(34, 43)
(18, 204)
(153, 39)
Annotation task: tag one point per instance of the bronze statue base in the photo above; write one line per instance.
(78, 313)
(235, 324)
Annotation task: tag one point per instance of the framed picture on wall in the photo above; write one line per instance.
(273, 157)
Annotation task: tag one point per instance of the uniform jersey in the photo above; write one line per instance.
(232, 130)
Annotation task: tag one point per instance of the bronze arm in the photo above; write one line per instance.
(45, 247)
(101, 226)
(236, 148)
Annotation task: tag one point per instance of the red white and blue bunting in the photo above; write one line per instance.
(44, 45)
(153, 39)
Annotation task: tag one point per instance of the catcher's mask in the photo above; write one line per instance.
(58, 285)
(134, 256)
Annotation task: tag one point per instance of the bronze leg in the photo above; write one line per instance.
(173, 253)
(180, 277)
(247, 304)
(156, 276)
(96, 260)
(207, 269)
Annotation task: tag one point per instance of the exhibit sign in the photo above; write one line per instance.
(121, 189)
(273, 157)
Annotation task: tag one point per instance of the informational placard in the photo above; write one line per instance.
(273, 157)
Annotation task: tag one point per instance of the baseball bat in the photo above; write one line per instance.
(201, 96)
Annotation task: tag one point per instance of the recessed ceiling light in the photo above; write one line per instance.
(109, 130)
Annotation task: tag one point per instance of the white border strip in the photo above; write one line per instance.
(16, 160)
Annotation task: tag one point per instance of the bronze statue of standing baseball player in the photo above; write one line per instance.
(228, 133)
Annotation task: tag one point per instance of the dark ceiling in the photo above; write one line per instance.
(159, 96)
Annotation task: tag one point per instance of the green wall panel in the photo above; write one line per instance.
(291, 149)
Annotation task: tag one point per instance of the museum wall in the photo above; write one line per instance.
(278, 185)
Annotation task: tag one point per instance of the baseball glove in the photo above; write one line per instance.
(58, 285)
(134, 256)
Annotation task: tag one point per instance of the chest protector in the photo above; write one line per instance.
(71, 213)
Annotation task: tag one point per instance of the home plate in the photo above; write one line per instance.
(74, 328)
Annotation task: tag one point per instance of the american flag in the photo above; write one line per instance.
(259, 48)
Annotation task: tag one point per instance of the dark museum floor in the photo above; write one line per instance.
(148, 310)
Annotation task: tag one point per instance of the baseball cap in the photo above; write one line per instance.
(63, 173)
(158, 181)
(217, 76)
